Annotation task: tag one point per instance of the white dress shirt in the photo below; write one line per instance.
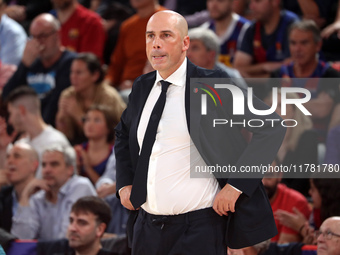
(170, 190)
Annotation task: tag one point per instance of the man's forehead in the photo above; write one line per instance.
(52, 155)
(331, 224)
(81, 214)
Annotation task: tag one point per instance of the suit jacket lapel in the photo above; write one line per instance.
(193, 115)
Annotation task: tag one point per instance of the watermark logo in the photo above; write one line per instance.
(239, 99)
(204, 97)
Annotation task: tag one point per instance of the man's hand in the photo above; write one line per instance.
(16, 12)
(106, 189)
(125, 197)
(225, 200)
(32, 187)
(31, 52)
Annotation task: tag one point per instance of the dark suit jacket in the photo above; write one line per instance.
(253, 220)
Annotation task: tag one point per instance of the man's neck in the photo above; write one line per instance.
(272, 22)
(35, 126)
(148, 10)
(304, 71)
(93, 249)
(64, 15)
(222, 25)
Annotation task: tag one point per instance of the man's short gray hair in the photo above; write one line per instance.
(68, 152)
(307, 26)
(207, 37)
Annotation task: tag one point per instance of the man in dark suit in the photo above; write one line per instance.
(154, 148)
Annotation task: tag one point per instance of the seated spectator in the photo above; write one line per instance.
(21, 165)
(328, 237)
(204, 51)
(25, 116)
(304, 44)
(45, 214)
(113, 16)
(45, 66)
(93, 155)
(24, 11)
(299, 146)
(129, 58)
(228, 26)
(283, 198)
(87, 88)
(12, 38)
(265, 44)
(325, 196)
(88, 220)
(81, 29)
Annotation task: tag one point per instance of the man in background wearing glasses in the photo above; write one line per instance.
(328, 237)
(45, 65)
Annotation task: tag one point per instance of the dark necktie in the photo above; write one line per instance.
(139, 186)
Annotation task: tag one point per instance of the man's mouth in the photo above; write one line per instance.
(158, 57)
(11, 168)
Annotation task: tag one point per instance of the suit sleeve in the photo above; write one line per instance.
(263, 147)
(124, 168)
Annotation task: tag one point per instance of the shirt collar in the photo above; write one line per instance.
(63, 190)
(178, 77)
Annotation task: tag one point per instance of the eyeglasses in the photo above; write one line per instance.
(326, 234)
(43, 35)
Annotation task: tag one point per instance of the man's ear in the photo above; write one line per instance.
(101, 229)
(186, 43)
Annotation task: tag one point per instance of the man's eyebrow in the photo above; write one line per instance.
(163, 31)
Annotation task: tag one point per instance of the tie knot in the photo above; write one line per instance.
(165, 85)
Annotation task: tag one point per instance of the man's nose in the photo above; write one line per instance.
(156, 43)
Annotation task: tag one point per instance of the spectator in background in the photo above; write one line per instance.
(328, 237)
(228, 26)
(283, 198)
(81, 29)
(87, 88)
(45, 66)
(88, 220)
(45, 214)
(324, 191)
(204, 50)
(12, 38)
(21, 164)
(265, 44)
(299, 147)
(93, 155)
(304, 44)
(24, 11)
(25, 116)
(129, 58)
(113, 16)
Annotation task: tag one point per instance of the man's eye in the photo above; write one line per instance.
(150, 35)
